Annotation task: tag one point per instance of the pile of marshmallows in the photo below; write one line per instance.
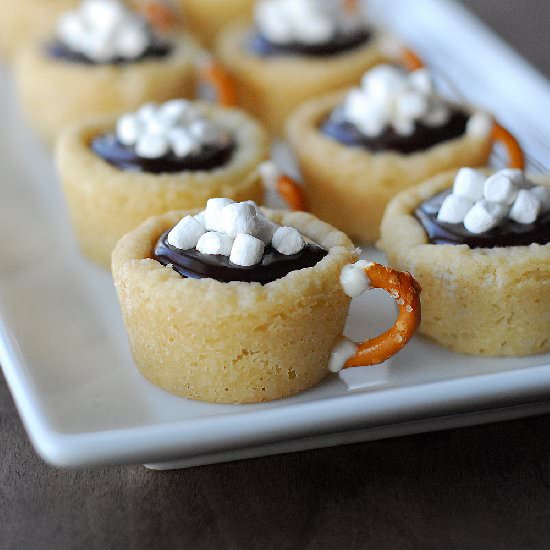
(482, 203)
(104, 30)
(178, 126)
(304, 21)
(392, 97)
(238, 230)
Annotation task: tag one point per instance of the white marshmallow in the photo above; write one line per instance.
(384, 81)
(182, 143)
(526, 207)
(215, 243)
(480, 125)
(500, 187)
(270, 174)
(403, 126)
(421, 80)
(152, 146)
(70, 29)
(207, 133)
(315, 30)
(238, 218)
(354, 280)
(436, 115)
(469, 183)
(247, 250)
(454, 209)
(212, 214)
(412, 105)
(186, 234)
(543, 194)
(484, 216)
(147, 112)
(343, 350)
(131, 40)
(265, 229)
(128, 129)
(200, 218)
(175, 110)
(368, 115)
(288, 241)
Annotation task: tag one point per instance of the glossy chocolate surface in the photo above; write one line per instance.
(112, 151)
(195, 265)
(261, 46)
(510, 233)
(421, 139)
(57, 50)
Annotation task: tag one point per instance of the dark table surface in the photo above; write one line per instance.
(485, 487)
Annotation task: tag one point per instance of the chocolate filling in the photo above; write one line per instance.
(510, 233)
(58, 50)
(274, 265)
(340, 43)
(421, 139)
(112, 151)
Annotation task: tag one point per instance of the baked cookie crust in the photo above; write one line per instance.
(350, 187)
(273, 87)
(476, 301)
(55, 93)
(105, 202)
(232, 342)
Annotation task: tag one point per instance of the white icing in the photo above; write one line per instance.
(343, 350)
(305, 21)
(177, 126)
(104, 30)
(390, 97)
(354, 280)
(482, 204)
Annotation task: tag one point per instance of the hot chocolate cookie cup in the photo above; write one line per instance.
(232, 342)
(350, 186)
(106, 202)
(55, 93)
(491, 301)
(272, 87)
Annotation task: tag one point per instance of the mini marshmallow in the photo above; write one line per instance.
(131, 40)
(207, 133)
(182, 143)
(412, 105)
(247, 250)
(215, 243)
(265, 229)
(175, 110)
(212, 214)
(152, 146)
(238, 218)
(543, 194)
(480, 125)
(421, 80)
(437, 115)
(288, 241)
(269, 173)
(484, 216)
(128, 129)
(501, 187)
(342, 351)
(526, 207)
(200, 218)
(186, 234)
(354, 280)
(454, 209)
(469, 183)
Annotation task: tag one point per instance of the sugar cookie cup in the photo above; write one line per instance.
(350, 186)
(272, 87)
(476, 301)
(27, 21)
(238, 342)
(106, 202)
(55, 93)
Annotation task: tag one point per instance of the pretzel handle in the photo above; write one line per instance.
(405, 290)
(159, 13)
(213, 74)
(411, 60)
(291, 192)
(516, 157)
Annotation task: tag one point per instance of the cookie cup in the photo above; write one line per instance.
(476, 301)
(55, 93)
(106, 202)
(272, 87)
(232, 342)
(349, 186)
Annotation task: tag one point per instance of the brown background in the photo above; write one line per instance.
(486, 487)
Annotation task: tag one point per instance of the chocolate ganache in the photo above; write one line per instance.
(509, 233)
(422, 138)
(274, 265)
(340, 43)
(112, 151)
(58, 50)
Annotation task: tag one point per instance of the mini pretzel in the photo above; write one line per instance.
(160, 15)
(411, 60)
(516, 158)
(406, 291)
(215, 75)
(291, 192)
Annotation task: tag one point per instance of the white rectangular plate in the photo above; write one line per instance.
(64, 352)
